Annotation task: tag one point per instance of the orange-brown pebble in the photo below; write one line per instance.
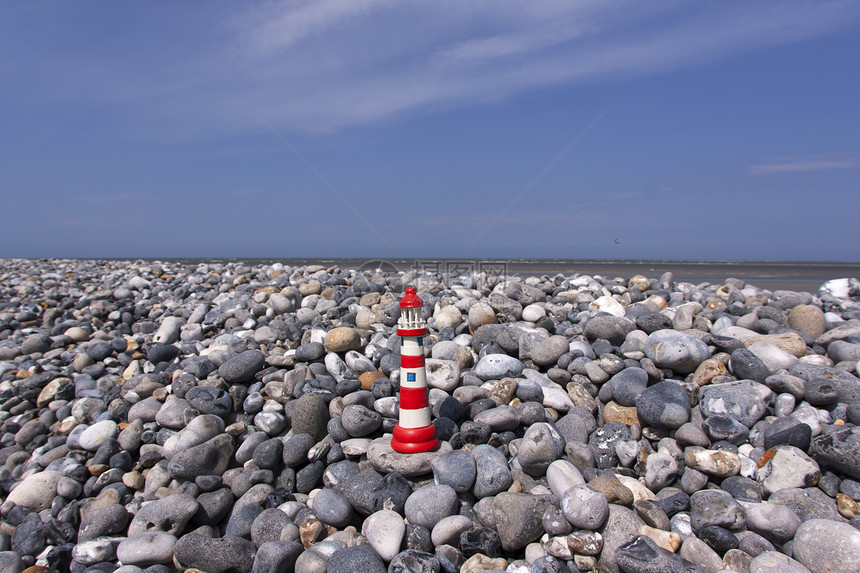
(367, 379)
(614, 412)
(848, 508)
(312, 530)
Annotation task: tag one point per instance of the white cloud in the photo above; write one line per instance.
(320, 66)
(275, 26)
(372, 60)
(798, 164)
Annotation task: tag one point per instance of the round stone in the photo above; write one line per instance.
(679, 352)
(332, 508)
(37, 491)
(541, 445)
(97, 434)
(584, 507)
(772, 521)
(218, 555)
(310, 416)
(746, 365)
(493, 475)
(498, 366)
(358, 558)
(775, 562)
(664, 405)
(342, 339)
(519, 519)
(608, 327)
(745, 401)
(448, 530)
(825, 545)
(785, 467)
(146, 548)
(241, 368)
(627, 385)
(643, 555)
(430, 504)
(384, 531)
(807, 319)
(360, 421)
(456, 469)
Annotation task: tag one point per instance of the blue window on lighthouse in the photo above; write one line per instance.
(410, 376)
(420, 341)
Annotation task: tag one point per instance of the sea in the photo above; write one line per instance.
(771, 275)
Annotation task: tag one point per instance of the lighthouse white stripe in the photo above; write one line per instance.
(420, 378)
(414, 418)
(410, 346)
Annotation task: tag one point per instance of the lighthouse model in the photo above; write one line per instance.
(414, 433)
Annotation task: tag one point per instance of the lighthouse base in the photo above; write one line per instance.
(414, 440)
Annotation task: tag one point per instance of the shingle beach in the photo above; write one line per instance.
(237, 417)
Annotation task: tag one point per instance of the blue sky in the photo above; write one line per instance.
(532, 129)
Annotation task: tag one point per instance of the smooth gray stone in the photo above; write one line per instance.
(277, 556)
(541, 445)
(584, 507)
(845, 383)
(456, 469)
(147, 548)
(746, 401)
(169, 514)
(11, 562)
(352, 559)
(519, 519)
(109, 520)
(429, 504)
(664, 405)
(772, 521)
(310, 416)
(621, 527)
(746, 365)
(332, 508)
(209, 458)
(606, 326)
(839, 449)
(493, 475)
(824, 545)
(715, 507)
(359, 421)
(627, 384)
(241, 368)
(213, 506)
(679, 352)
(807, 503)
(498, 366)
(642, 555)
(267, 526)
(219, 555)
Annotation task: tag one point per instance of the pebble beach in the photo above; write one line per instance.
(232, 417)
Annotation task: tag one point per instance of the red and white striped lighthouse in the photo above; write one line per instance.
(414, 432)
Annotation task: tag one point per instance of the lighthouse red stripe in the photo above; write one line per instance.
(413, 398)
(412, 331)
(411, 361)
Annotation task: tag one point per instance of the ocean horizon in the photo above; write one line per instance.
(772, 275)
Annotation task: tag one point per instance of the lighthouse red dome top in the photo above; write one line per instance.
(410, 299)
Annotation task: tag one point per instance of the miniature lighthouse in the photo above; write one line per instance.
(414, 432)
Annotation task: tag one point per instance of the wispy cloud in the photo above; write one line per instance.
(275, 26)
(321, 66)
(519, 47)
(813, 163)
